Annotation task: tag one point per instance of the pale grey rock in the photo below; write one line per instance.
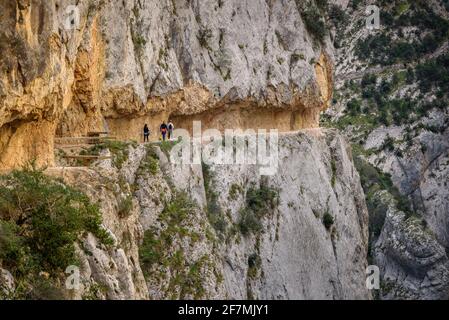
(7, 283)
(421, 174)
(413, 264)
(132, 163)
(300, 258)
(242, 39)
(378, 136)
(108, 272)
(418, 168)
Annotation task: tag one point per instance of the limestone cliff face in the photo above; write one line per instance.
(135, 61)
(414, 264)
(191, 231)
(301, 257)
(409, 241)
(169, 246)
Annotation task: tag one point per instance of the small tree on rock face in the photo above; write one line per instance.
(204, 35)
(41, 218)
(259, 203)
(368, 79)
(312, 13)
(314, 23)
(354, 107)
(337, 15)
(388, 144)
(328, 220)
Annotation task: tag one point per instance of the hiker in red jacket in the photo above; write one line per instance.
(163, 130)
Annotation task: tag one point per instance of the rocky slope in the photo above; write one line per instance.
(391, 102)
(160, 231)
(198, 231)
(233, 64)
(126, 63)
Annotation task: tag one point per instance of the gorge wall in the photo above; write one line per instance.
(392, 105)
(194, 231)
(126, 63)
(241, 64)
(223, 231)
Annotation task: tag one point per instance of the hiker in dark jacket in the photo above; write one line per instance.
(171, 127)
(163, 130)
(146, 134)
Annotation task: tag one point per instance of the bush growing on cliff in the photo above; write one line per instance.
(388, 144)
(337, 15)
(125, 206)
(354, 107)
(434, 74)
(314, 22)
(139, 42)
(262, 200)
(254, 265)
(119, 150)
(234, 192)
(387, 48)
(150, 163)
(368, 79)
(328, 220)
(204, 36)
(259, 204)
(167, 146)
(372, 180)
(249, 223)
(162, 250)
(10, 242)
(41, 218)
(175, 216)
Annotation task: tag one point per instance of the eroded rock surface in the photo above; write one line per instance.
(293, 254)
(132, 62)
(400, 126)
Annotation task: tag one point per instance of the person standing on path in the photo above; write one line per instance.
(146, 134)
(171, 127)
(163, 130)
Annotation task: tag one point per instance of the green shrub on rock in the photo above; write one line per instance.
(41, 218)
(328, 220)
(260, 203)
